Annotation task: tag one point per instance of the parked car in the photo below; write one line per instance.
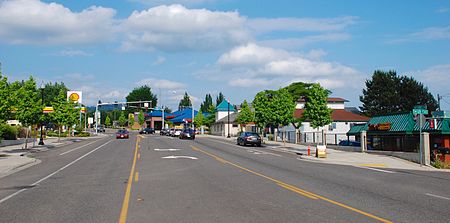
(353, 143)
(122, 134)
(147, 131)
(177, 132)
(100, 128)
(187, 134)
(170, 132)
(249, 138)
(163, 132)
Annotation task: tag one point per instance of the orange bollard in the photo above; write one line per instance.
(309, 150)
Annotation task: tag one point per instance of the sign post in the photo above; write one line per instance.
(420, 110)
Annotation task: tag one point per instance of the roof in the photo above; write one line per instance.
(332, 100)
(356, 129)
(157, 113)
(233, 117)
(338, 115)
(224, 106)
(185, 114)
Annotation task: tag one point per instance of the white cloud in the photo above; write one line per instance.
(182, 2)
(252, 65)
(289, 43)
(265, 25)
(160, 60)
(73, 53)
(176, 28)
(427, 34)
(36, 22)
(162, 84)
(435, 77)
(316, 54)
(442, 10)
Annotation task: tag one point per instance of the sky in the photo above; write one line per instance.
(107, 48)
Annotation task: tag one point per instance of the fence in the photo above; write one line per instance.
(312, 137)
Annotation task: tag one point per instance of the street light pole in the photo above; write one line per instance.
(41, 140)
(228, 106)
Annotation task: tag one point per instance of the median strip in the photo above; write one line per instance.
(293, 188)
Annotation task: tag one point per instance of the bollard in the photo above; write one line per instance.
(309, 150)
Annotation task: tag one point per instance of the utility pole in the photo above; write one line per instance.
(439, 102)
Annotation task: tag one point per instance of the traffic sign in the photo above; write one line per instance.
(419, 111)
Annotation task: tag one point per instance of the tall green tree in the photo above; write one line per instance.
(273, 108)
(298, 90)
(52, 90)
(219, 99)
(206, 103)
(185, 101)
(388, 93)
(107, 121)
(5, 105)
(130, 120)
(143, 93)
(64, 113)
(245, 116)
(198, 120)
(211, 118)
(316, 110)
(122, 119)
(27, 103)
(141, 118)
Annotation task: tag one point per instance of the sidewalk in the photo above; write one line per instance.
(339, 157)
(14, 158)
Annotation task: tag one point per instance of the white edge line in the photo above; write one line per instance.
(64, 153)
(437, 196)
(379, 170)
(50, 175)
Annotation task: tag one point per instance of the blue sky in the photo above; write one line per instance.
(107, 48)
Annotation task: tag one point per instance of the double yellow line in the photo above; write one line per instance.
(292, 188)
(126, 200)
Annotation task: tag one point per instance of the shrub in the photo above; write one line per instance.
(82, 134)
(8, 132)
(55, 134)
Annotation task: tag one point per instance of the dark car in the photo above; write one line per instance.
(187, 134)
(249, 138)
(164, 132)
(100, 128)
(122, 134)
(147, 131)
(353, 143)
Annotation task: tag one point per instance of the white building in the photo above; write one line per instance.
(222, 124)
(342, 121)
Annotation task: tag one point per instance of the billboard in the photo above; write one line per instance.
(75, 96)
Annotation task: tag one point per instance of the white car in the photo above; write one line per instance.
(177, 132)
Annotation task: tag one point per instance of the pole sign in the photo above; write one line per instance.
(75, 96)
(83, 110)
(47, 110)
(418, 111)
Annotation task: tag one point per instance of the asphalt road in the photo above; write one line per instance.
(160, 179)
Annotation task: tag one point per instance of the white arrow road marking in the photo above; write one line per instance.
(180, 157)
(166, 150)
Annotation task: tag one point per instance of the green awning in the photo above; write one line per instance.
(357, 129)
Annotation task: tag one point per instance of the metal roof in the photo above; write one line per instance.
(224, 106)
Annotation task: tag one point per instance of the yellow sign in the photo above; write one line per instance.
(75, 96)
(48, 109)
(83, 110)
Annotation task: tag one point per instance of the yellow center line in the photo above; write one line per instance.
(126, 200)
(136, 177)
(373, 165)
(293, 188)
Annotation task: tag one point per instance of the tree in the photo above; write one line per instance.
(198, 120)
(122, 119)
(316, 110)
(51, 91)
(107, 121)
(27, 103)
(141, 118)
(185, 102)
(246, 115)
(5, 105)
(211, 118)
(143, 93)
(64, 113)
(219, 99)
(298, 90)
(206, 104)
(387, 93)
(273, 108)
(167, 110)
(130, 120)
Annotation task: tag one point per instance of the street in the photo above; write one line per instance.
(152, 178)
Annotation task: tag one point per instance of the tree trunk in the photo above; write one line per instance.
(59, 133)
(26, 138)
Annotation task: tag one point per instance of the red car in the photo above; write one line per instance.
(122, 134)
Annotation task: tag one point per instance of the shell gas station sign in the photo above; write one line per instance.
(75, 96)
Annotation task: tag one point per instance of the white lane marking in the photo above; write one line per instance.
(166, 150)
(50, 175)
(64, 153)
(180, 157)
(437, 196)
(240, 147)
(379, 170)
